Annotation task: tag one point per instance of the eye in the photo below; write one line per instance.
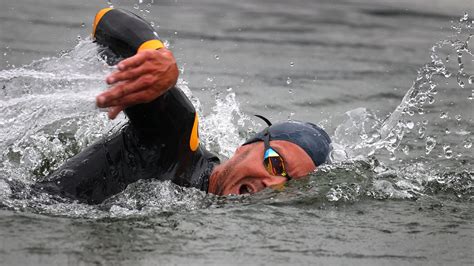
(244, 189)
(275, 166)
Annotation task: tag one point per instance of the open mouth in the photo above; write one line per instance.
(245, 189)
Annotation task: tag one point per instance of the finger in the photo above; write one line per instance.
(133, 61)
(130, 73)
(117, 91)
(137, 98)
(114, 111)
(123, 89)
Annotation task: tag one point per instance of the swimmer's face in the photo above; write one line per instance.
(245, 172)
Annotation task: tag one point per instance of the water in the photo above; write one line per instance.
(392, 85)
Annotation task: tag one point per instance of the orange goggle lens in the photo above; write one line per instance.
(274, 164)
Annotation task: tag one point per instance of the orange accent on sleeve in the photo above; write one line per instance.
(151, 45)
(194, 139)
(98, 17)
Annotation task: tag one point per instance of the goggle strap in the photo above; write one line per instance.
(264, 119)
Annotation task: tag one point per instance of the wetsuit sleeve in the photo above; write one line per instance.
(124, 34)
(170, 118)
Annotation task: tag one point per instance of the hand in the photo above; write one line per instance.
(139, 79)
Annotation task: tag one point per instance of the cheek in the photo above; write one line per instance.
(219, 179)
(223, 174)
(301, 169)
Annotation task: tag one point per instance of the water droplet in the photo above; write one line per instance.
(83, 24)
(176, 33)
(136, 6)
(289, 81)
(229, 89)
(443, 115)
(392, 140)
(421, 132)
(467, 143)
(292, 64)
(470, 79)
(406, 150)
(78, 38)
(460, 82)
(447, 131)
(216, 57)
(464, 18)
(393, 146)
(410, 124)
(210, 79)
(152, 23)
(458, 117)
(430, 144)
(392, 157)
(431, 99)
(290, 91)
(448, 153)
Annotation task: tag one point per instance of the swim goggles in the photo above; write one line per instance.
(272, 160)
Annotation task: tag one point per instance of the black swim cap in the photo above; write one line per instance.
(311, 138)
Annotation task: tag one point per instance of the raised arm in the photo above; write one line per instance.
(148, 69)
(162, 137)
(143, 84)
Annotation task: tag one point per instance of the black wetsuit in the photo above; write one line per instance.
(154, 144)
(160, 141)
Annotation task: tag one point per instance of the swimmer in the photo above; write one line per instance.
(161, 138)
